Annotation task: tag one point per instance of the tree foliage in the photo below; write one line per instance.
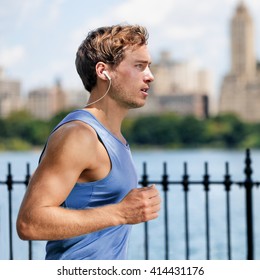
(21, 131)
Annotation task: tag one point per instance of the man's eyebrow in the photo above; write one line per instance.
(143, 61)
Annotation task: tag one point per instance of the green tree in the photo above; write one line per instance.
(22, 125)
(191, 131)
(252, 139)
(156, 130)
(225, 130)
(21, 131)
(57, 118)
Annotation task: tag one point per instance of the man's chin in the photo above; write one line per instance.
(137, 105)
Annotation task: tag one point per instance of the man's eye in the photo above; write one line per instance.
(139, 66)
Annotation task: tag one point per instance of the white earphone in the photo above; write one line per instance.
(108, 88)
(105, 73)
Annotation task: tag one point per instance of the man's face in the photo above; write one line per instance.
(131, 79)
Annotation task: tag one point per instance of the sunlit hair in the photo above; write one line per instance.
(108, 45)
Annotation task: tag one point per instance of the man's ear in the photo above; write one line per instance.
(101, 71)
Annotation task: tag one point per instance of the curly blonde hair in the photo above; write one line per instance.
(106, 44)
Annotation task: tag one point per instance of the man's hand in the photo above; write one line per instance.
(140, 205)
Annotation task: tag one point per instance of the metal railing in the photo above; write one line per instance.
(247, 183)
(185, 182)
(10, 182)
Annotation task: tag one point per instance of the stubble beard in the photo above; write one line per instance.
(124, 98)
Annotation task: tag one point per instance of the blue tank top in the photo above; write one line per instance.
(110, 243)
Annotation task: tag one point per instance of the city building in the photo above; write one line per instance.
(240, 89)
(76, 98)
(44, 103)
(175, 77)
(10, 95)
(180, 87)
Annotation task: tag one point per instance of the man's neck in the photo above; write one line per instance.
(110, 116)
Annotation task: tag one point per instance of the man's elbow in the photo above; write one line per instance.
(24, 230)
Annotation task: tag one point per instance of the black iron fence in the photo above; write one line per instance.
(186, 183)
(10, 182)
(227, 182)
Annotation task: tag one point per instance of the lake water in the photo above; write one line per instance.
(155, 158)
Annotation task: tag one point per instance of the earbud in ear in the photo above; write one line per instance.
(105, 73)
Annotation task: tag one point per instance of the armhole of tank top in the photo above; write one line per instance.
(101, 141)
(43, 150)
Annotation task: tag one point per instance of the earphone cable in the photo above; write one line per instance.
(108, 88)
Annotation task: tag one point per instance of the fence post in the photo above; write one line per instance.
(26, 182)
(144, 183)
(249, 206)
(206, 188)
(9, 183)
(185, 183)
(165, 184)
(227, 183)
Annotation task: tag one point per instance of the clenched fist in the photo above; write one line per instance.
(140, 205)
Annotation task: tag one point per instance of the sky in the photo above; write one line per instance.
(39, 38)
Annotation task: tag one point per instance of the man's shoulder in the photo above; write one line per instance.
(75, 134)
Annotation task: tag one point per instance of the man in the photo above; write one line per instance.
(83, 198)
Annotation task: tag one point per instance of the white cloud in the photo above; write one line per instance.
(181, 32)
(55, 10)
(26, 9)
(55, 29)
(12, 56)
(146, 11)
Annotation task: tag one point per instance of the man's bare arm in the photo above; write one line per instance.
(68, 154)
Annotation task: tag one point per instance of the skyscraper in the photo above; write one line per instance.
(242, 43)
(240, 91)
